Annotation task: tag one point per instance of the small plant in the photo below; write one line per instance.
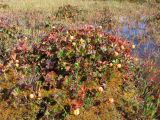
(7, 39)
(148, 80)
(68, 12)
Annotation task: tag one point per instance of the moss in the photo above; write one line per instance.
(111, 111)
(22, 112)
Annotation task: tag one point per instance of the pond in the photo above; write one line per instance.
(137, 32)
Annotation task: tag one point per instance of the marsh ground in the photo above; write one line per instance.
(136, 21)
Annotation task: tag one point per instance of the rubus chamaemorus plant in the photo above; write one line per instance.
(77, 62)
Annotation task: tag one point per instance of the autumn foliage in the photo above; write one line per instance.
(77, 62)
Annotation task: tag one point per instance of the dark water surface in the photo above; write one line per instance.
(137, 32)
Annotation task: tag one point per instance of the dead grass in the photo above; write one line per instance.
(128, 10)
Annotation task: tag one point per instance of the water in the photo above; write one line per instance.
(137, 32)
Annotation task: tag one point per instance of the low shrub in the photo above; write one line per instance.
(4, 6)
(68, 12)
(149, 84)
(7, 39)
(66, 71)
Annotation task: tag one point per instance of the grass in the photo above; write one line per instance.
(131, 11)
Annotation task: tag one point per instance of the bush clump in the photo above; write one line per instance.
(4, 6)
(68, 12)
(67, 69)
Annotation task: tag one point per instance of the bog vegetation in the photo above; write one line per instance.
(79, 60)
